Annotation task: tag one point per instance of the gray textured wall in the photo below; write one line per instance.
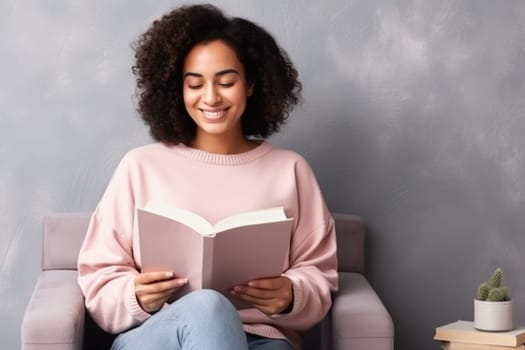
(413, 118)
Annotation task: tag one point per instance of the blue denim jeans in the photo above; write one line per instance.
(201, 320)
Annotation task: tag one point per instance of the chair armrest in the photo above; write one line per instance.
(359, 318)
(54, 317)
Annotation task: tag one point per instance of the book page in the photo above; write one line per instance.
(196, 222)
(250, 218)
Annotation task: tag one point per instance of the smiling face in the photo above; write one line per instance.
(215, 91)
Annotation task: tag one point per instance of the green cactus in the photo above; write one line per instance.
(496, 278)
(483, 291)
(498, 294)
(493, 289)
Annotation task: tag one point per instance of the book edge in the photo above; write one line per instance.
(515, 337)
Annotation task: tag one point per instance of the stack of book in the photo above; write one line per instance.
(461, 335)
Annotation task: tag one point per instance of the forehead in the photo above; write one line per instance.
(210, 57)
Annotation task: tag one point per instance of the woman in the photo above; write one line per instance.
(211, 89)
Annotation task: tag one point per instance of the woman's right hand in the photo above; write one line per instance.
(153, 289)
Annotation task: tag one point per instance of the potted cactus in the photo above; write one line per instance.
(493, 305)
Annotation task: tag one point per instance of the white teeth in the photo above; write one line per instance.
(213, 114)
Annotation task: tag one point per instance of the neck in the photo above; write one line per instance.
(222, 145)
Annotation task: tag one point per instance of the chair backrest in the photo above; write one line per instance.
(350, 233)
(63, 236)
(64, 233)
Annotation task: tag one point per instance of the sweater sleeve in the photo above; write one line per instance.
(106, 265)
(313, 256)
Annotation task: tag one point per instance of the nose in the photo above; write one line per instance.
(211, 96)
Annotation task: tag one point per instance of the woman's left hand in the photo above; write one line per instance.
(269, 295)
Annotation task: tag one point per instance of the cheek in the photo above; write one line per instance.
(189, 97)
(239, 96)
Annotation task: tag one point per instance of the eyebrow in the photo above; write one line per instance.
(218, 74)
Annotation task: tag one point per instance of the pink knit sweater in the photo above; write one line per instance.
(214, 186)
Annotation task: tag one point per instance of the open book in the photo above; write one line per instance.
(235, 250)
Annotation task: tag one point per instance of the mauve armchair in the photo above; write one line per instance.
(55, 317)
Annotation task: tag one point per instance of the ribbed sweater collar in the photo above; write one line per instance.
(223, 159)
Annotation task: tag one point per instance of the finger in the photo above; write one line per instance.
(266, 283)
(152, 302)
(251, 299)
(153, 299)
(148, 295)
(267, 306)
(255, 292)
(160, 286)
(152, 277)
(271, 283)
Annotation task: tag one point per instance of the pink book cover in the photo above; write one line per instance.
(231, 256)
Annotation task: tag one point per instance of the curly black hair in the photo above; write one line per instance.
(160, 53)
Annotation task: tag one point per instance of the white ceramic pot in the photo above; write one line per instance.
(493, 315)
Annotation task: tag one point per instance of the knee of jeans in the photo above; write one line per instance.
(209, 300)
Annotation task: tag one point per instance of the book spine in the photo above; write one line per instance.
(207, 261)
